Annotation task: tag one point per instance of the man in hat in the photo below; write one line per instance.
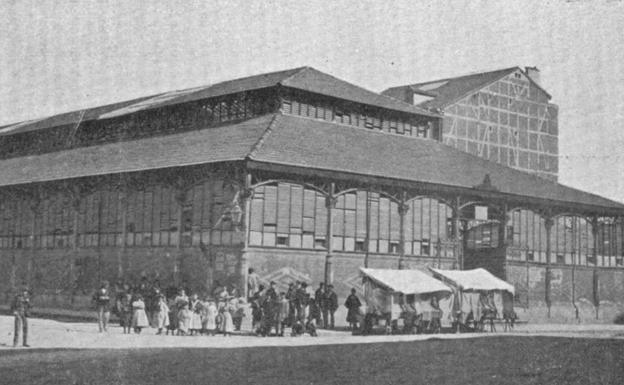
(21, 310)
(330, 306)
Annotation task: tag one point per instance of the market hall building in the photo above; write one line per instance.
(301, 176)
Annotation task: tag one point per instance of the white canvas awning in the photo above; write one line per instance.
(405, 281)
(476, 279)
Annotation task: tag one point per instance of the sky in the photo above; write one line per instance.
(62, 55)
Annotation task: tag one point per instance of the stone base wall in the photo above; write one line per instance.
(577, 295)
(67, 278)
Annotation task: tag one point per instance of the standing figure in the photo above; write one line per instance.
(195, 307)
(101, 298)
(269, 309)
(21, 310)
(331, 305)
(319, 298)
(227, 325)
(256, 309)
(161, 314)
(301, 301)
(290, 296)
(353, 305)
(314, 313)
(139, 317)
(184, 319)
(209, 320)
(283, 314)
(124, 310)
(173, 317)
(253, 283)
(239, 313)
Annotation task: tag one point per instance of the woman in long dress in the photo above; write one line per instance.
(196, 322)
(161, 316)
(184, 320)
(209, 319)
(139, 317)
(227, 324)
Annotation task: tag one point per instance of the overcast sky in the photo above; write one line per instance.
(63, 55)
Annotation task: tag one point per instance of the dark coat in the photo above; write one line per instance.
(353, 305)
(331, 300)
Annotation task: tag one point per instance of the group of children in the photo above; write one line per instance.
(180, 315)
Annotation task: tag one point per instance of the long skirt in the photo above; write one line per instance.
(227, 326)
(196, 323)
(184, 320)
(161, 319)
(139, 319)
(352, 314)
(209, 321)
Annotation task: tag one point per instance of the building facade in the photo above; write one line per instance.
(297, 174)
(504, 116)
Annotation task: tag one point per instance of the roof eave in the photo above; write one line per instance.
(588, 209)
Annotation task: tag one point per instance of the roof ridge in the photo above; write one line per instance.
(299, 70)
(256, 147)
(472, 90)
(461, 76)
(360, 88)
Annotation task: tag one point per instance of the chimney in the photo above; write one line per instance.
(533, 73)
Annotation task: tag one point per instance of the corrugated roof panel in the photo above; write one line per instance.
(303, 78)
(216, 144)
(317, 144)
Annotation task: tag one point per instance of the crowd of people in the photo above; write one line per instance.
(297, 307)
(175, 312)
(172, 312)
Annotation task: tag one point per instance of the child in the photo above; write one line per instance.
(209, 320)
(161, 316)
(195, 307)
(297, 329)
(283, 314)
(124, 310)
(139, 317)
(227, 325)
(184, 320)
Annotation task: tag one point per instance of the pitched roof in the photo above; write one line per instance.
(320, 145)
(449, 90)
(408, 281)
(302, 78)
(300, 143)
(475, 279)
(318, 82)
(215, 144)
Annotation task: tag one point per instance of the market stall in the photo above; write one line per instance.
(403, 300)
(480, 296)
